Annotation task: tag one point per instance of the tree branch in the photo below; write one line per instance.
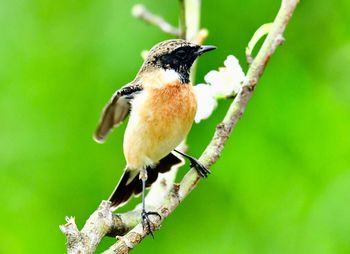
(140, 11)
(222, 133)
(103, 222)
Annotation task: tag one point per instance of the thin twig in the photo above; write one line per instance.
(222, 133)
(141, 12)
(192, 18)
(192, 9)
(201, 36)
(260, 33)
(182, 21)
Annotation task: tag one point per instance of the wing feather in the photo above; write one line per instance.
(115, 111)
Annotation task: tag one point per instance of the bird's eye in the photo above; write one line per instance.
(181, 53)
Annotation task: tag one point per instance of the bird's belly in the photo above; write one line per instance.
(159, 121)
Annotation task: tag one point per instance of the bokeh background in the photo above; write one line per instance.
(282, 184)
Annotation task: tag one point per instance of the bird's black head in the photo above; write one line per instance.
(177, 55)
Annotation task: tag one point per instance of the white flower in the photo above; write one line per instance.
(225, 82)
(206, 103)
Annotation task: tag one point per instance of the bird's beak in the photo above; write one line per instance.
(205, 48)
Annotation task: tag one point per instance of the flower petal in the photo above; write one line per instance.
(206, 103)
(227, 80)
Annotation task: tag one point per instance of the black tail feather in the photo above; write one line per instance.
(125, 190)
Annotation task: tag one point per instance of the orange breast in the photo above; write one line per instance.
(173, 103)
(159, 121)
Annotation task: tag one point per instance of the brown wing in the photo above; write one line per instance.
(115, 111)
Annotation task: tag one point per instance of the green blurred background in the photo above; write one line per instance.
(282, 184)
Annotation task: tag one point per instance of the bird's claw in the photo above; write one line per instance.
(200, 168)
(147, 223)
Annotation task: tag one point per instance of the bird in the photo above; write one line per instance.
(162, 106)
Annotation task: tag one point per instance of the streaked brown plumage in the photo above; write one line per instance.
(162, 108)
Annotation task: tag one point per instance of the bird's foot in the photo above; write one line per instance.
(194, 163)
(146, 222)
(199, 167)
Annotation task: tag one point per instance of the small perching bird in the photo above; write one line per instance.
(162, 108)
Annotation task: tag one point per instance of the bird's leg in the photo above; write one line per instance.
(146, 222)
(200, 168)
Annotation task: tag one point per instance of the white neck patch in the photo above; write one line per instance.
(170, 76)
(160, 78)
